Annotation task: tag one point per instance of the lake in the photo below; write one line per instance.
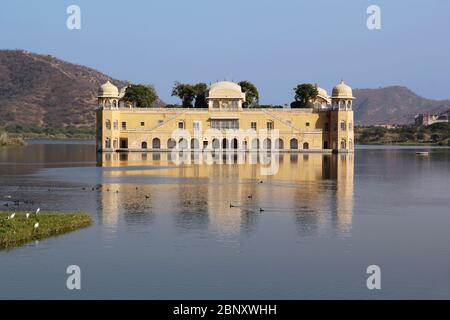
(165, 230)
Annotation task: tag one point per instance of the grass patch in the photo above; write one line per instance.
(20, 230)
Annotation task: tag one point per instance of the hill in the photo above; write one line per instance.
(393, 105)
(42, 90)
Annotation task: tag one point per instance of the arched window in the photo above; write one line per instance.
(156, 143)
(343, 144)
(144, 145)
(267, 144)
(115, 143)
(294, 143)
(225, 144)
(183, 144)
(114, 103)
(108, 125)
(116, 125)
(305, 145)
(234, 143)
(215, 144)
(343, 126)
(108, 143)
(279, 144)
(195, 145)
(171, 143)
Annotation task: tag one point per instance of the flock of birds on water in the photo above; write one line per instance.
(36, 225)
(148, 197)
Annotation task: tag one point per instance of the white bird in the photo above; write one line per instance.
(27, 215)
(12, 216)
(36, 225)
(37, 210)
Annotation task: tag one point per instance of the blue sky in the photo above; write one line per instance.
(276, 44)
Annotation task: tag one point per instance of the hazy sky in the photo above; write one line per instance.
(274, 43)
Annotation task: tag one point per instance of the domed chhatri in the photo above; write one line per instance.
(326, 126)
(225, 90)
(108, 90)
(342, 90)
(322, 93)
(225, 95)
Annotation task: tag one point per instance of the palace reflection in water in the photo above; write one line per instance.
(228, 194)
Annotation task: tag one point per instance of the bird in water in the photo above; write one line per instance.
(261, 210)
(250, 196)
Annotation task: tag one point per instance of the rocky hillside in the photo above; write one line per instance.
(44, 91)
(393, 105)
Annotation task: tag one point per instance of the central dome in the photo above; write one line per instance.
(225, 90)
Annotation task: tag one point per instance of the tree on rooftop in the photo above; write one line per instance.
(251, 93)
(185, 92)
(142, 95)
(304, 94)
(200, 95)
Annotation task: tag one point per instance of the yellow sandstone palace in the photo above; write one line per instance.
(225, 124)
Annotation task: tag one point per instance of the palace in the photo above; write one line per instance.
(225, 124)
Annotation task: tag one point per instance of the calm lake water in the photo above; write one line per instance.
(166, 230)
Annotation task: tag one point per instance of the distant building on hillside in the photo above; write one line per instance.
(429, 119)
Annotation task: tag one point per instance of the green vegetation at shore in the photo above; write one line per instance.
(36, 132)
(20, 229)
(436, 134)
(6, 140)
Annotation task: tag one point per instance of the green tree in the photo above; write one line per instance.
(142, 95)
(304, 94)
(251, 93)
(185, 92)
(200, 95)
